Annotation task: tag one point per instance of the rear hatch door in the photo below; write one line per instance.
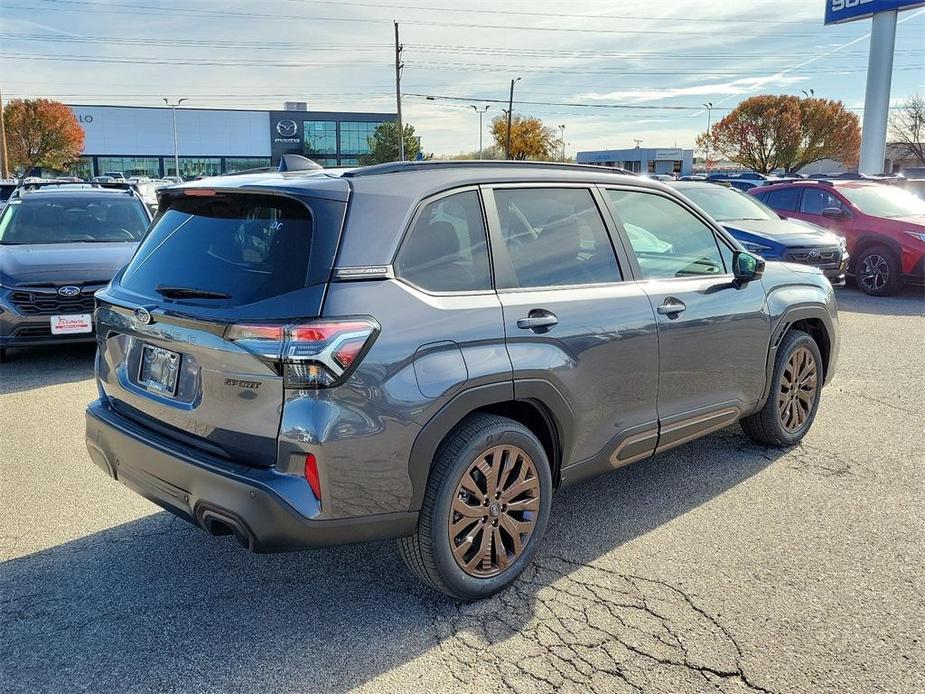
(213, 260)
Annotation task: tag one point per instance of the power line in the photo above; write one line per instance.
(519, 13)
(425, 48)
(123, 8)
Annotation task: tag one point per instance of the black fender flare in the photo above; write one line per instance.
(539, 392)
(782, 324)
(868, 239)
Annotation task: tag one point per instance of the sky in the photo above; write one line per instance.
(610, 72)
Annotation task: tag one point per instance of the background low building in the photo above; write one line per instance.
(643, 159)
(138, 141)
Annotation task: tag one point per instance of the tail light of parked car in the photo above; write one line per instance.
(318, 354)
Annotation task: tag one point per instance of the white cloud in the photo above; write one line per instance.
(742, 85)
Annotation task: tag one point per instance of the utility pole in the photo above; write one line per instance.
(510, 108)
(709, 107)
(480, 112)
(176, 142)
(4, 160)
(562, 140)
(398, 67)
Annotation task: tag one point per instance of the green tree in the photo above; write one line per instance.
(41, 132)
(768, 132)
(383, 145)
(530, 137)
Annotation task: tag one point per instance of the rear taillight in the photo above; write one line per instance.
(311, 355)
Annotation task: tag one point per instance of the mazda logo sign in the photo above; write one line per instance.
(287, 128)
(68, 291)
(142, 315)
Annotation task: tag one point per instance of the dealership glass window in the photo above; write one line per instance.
(83, 167)
(354, 136)
(191, 167)
(676, 166)
(130, 166)
(234, 164)
(349, 161)
(325, 161)
(650, 166)
(320, 137)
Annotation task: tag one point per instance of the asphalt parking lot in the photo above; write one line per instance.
(720, 566)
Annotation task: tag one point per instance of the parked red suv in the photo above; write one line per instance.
(884, 226)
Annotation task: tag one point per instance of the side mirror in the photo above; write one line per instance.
(747, 267)
(834, 213)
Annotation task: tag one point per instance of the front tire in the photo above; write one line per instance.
(878, 271)
(484, 511)
(794, 398)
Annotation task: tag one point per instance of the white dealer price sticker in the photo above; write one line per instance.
(72, 325)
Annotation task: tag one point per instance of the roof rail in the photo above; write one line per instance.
(402, 166)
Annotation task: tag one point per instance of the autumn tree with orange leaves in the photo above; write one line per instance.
(768, 132)
(41, 132)
(530, 138)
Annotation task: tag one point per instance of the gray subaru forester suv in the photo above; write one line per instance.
(427, 351)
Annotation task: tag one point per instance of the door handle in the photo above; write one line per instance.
(538, 320)
(671, 307)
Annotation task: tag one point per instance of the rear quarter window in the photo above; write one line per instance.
(247, 247)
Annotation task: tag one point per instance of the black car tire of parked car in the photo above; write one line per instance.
(427, 553)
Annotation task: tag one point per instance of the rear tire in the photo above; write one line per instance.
(465, 544)
(878, 271)
(794, 398)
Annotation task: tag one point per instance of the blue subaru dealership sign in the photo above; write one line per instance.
(838, 11)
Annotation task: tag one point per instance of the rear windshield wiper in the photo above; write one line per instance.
(188, 293)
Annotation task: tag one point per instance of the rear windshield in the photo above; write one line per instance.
(84, 218)
(223, 250)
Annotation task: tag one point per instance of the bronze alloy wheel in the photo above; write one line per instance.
(875, 272)
(798, 387)
(494, 511)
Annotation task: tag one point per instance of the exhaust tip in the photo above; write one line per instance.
(220, 523)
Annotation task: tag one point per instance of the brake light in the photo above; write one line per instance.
(311, 355)
(311, 475)
(199, 192)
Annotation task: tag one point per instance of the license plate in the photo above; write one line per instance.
(72, 324)
(159, 369)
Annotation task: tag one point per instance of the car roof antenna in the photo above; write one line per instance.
(295, 162)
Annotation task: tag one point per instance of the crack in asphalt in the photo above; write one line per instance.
(567, 626)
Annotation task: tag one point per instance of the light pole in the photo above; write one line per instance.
(510, 108)
(709, 107)
(562, 140)
(176, 144)
(480, 112)
(808, 94)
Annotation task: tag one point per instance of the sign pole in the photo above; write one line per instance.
(877, 95)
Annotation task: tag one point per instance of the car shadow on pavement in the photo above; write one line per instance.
(909, 301)
(158, 605)
(37, 367)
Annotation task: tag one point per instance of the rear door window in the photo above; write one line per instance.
(782, 198)
(446, 249)
(238, 248)
(816, 199)
(555, 237)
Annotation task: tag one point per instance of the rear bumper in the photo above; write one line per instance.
(222, 497)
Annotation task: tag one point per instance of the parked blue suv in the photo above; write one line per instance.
(763, 231)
